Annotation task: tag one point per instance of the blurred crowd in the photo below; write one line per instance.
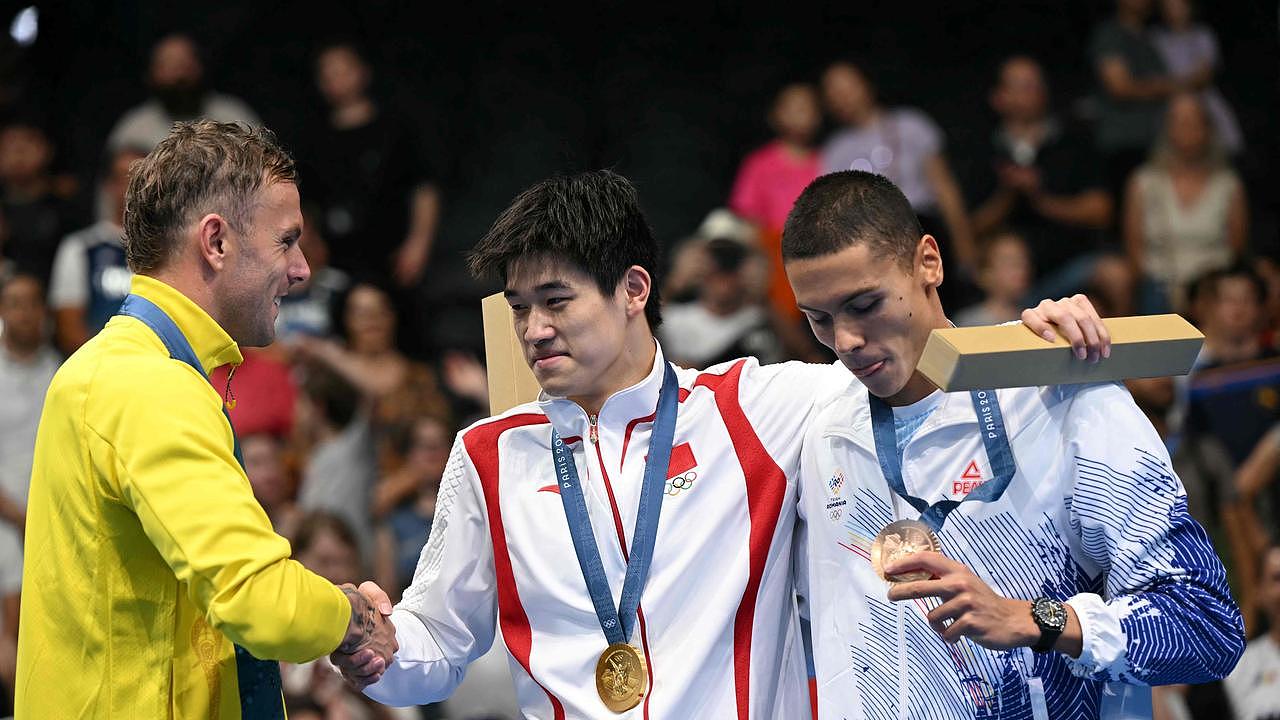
(346, 423)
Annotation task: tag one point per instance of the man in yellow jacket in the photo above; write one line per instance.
(154, 586)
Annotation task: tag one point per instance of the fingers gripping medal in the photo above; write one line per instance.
(907, 537)
(901, 539)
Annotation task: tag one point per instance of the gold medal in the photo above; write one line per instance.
(898, 540)
(621, 678)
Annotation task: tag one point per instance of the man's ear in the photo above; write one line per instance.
(928, 264)
(636, 284)
(212, 234)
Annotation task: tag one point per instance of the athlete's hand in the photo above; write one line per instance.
(370, 643)
(970, 608)
(1076, 320)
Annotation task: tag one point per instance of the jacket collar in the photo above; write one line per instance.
(638, 401)
(850, 415)
(211, 344)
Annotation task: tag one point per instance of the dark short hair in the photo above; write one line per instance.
(20, 274)
(1242, 271)
(202, 166)
(337, 399)
(727, 255)
(316, 522)
(848, 207)
(988, 243)
(591, 219)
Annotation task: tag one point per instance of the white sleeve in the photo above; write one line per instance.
(69, 284)
(447, 617)
(779, 400)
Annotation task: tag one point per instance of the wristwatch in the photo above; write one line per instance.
(1051, 617)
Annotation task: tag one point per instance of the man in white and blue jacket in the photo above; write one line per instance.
(1070, 575)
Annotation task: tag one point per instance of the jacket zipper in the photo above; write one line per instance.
(228, 398)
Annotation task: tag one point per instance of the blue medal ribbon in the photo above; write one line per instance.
(259, 680)
(618, 622)
(991, 424)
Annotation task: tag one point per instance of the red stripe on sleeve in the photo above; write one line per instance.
(766, 489)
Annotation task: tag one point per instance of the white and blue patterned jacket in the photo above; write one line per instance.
(1094, 516)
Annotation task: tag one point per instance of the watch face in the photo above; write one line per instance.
(1050, 614)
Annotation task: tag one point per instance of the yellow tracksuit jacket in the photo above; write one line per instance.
(147, 555)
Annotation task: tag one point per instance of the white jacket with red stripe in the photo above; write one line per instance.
(717, 620)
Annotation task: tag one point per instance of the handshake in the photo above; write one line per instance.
(370, 642)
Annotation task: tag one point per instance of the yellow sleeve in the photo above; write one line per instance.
(176, 470)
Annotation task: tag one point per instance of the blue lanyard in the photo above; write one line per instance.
(618, 622)
(991, 424)
(259, 680)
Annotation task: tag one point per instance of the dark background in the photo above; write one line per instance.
(671, 95)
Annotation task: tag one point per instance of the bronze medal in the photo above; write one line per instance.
(621, 678)
(898, 540)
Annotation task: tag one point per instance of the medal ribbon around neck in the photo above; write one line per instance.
(259, 680)
(617, 623)
(994, 438)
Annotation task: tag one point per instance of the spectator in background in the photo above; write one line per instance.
(273, 486)
(309, 309)
(35, 217)
(1041, 181)
(1254, 686)
(380, 204)
(1133, 85)
(772, 177)
(27, 365)
(90, 275)
(1190, 52)
(1185, 211)
(335, 437)
(1004, 274)
(404, 502)
(178, 92)
(398, 389)
(1232, 395)
(728, 318)
(1232, 325)
(1267, 264)
(1113, 286)
(904, 145)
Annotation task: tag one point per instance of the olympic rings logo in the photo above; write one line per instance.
(680, 483)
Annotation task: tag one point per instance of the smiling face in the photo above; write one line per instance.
(264, 263)
(875, 315)
(579, 342)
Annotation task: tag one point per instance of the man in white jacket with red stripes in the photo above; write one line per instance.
(712, 626)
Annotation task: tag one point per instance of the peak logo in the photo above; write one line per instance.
(969, 479)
